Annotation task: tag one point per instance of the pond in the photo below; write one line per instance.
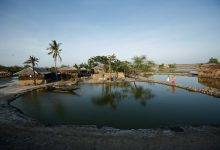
(125, 106)
(6, 81)
(190, 81)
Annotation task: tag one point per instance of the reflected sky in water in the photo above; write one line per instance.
(127, 105)
(190, 81)
(7, 81)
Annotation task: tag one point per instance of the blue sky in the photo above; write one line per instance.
(167, 31)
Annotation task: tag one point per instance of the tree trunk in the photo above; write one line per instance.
(55, 65)
(34, 75)
(110, 68)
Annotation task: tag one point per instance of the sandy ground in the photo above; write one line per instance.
(18, 131)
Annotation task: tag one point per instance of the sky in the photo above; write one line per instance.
(166, 31)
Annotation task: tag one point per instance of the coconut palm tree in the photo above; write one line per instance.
(33, 61)
(55, 50)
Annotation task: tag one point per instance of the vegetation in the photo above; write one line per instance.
(162, 66)
(213, 60)
(55, 50)
(12, 69)
(33, 61)
(141, 64)
(172, 65)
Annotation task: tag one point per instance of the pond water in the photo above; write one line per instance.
(6, 81)
(190, 81)
(126, 106)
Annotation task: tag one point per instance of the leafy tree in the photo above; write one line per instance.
(55, 50)
(62, 66)
(213, 60)
(52, 69)
(162, 66)
(3, 68)
(139, 62)
(33, 61)
(83, 65)
(172, 66)
(76, 66)
(14, 69)
(96, 60)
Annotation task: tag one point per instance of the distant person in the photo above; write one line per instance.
(174, 80)
(168, 78)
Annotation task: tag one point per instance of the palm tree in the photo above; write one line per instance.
(55, 50)
(33, 61)
(139, 61)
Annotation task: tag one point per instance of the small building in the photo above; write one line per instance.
(4, 74)
(98, 69)
(83, 72)
(68, 72)
(42, 75)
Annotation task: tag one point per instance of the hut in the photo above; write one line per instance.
(4, 74)
(42, 75)
(98, 69)
(68, 73)
(83, 72)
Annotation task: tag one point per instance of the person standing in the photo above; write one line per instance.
(168, 78)
(174, 80)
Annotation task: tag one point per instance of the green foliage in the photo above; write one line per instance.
(142, 64)
(62, 66)
(54, 50)
(84, 65)
(76, 66)
(3, 68)
(96, 60)
(172, 66)
(52, 69)
(139, 62)
(161, 66)
(213, 60)
(12, 69)
(33, 61)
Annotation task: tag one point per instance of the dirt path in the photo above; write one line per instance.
(71, 137)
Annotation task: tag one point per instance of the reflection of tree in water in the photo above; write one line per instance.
(113, 93)
(141, 94)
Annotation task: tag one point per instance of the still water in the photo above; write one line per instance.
(190, 81)
(126, 106)
(7, 81)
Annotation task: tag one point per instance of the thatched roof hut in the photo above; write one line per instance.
(68, 70)
(29, 71)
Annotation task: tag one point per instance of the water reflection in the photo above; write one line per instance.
(215, 83)
(113, 94)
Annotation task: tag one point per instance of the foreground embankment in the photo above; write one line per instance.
(18, 131)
